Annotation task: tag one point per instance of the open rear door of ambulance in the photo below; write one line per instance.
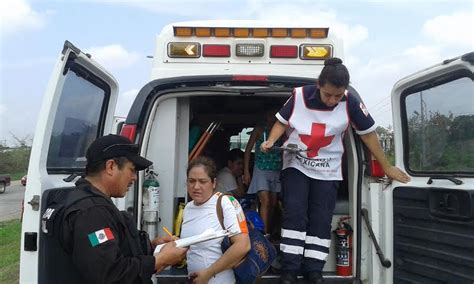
(78, 106)
(433, 215)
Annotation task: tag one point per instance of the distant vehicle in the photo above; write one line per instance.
(4, 182)
(23, 180)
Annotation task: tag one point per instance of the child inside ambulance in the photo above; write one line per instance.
(265, 180)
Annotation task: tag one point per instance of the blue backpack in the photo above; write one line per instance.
(261, 255)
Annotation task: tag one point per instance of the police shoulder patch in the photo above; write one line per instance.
(100, 236)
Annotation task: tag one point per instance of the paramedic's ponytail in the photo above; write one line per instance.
(335, 73)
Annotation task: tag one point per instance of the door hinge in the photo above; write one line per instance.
(34, 202)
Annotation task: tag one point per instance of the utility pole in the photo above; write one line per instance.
(423, 142)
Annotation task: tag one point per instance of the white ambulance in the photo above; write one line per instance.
(228, 73)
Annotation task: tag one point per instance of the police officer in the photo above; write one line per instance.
(315, 118)
(101, 242)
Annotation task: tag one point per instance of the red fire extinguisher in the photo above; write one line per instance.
(343, 247)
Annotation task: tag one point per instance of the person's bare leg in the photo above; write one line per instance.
(264, 211)
(273, 203)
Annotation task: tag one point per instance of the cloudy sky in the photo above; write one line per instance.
(384, 41)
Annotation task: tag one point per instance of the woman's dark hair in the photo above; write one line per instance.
(335, 73)
(205, 162)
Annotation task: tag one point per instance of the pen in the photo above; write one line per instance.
(167, 231)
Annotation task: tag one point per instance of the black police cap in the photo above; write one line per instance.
(115, 146)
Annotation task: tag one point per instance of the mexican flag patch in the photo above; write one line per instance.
(100, 236)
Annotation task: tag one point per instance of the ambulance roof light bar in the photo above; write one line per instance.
(244, 32)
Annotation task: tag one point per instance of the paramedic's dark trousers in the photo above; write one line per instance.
(308, 205)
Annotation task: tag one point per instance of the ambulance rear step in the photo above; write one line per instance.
(177, 276)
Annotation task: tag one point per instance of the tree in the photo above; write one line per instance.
(386, 140)
(439, 142)
(15, 159)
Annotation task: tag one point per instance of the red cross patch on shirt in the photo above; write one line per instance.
(316, 140)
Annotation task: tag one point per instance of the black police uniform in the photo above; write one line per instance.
(120, 259)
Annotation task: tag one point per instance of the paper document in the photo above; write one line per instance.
(207, 235)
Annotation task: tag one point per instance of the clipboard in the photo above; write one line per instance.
(207, 235)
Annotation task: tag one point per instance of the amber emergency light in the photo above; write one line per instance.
(240, 32)
(222, 32)
(315, 51)
(184, 49)
(203, 32)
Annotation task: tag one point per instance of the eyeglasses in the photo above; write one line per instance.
(131, 147)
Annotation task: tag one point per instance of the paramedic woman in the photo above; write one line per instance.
(315, 118)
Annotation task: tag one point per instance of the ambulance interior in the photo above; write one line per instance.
(175, 120)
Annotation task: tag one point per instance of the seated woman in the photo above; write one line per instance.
(206, 262)
(229, 178)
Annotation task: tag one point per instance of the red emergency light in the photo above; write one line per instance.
(376, 169)
(283, 51)
(215, 50)
(129, 131)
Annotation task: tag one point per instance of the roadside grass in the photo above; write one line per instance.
(10, 247)
(17, 176)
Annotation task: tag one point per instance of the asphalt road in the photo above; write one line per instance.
(10, 201)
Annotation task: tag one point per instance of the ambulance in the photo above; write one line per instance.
(222, 75)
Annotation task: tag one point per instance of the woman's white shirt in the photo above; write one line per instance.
(197, 219)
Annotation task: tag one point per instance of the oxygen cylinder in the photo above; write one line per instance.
(343, 247)
(151, 199)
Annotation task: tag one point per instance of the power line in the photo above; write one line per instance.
(381, 101)
(381, 110)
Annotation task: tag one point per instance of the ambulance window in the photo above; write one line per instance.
(241, 139)
(439, 122)
(77, 122)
